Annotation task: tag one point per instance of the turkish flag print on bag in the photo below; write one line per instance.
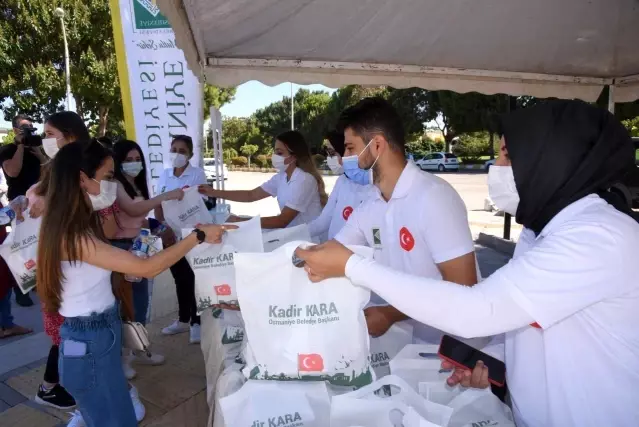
(223, 290)
(310, 362)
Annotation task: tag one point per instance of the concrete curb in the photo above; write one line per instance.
(506, 247)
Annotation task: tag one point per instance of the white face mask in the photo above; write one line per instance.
(178, 160)
(502, 189)
(132, 169)
(107, 196)
(333, 164)
(278, 162)
(50, 146)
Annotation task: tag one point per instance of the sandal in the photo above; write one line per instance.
(14, 331)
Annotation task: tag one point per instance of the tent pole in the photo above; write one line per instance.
(292, 109)
(611, 98)
(511, 106)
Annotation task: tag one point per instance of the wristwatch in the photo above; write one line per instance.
(201, 235)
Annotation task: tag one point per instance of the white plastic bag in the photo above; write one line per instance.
(186, 213)
(274, 239)
(439, 391)
(278, 403)
(479, 408)
(20, 250)
(387, 346)
(389, 392)
(230, 381)
(298, 329)
(213, 264)
(418, 363)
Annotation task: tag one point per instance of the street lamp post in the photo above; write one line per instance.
(59, 12)
(292, 109)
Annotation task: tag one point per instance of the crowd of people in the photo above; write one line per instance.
(565, 303)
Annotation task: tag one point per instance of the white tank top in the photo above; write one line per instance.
(86, 289)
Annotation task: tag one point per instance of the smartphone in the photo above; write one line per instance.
(464, 356)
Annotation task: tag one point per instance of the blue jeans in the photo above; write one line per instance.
(140, 289)
(6, 319)
(91, 369)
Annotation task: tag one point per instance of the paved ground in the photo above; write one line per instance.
(175, 394)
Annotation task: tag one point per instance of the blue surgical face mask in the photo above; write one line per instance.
(354, 172)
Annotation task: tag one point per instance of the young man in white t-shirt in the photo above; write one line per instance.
(416, 221)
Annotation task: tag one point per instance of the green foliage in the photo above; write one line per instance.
(248, 150)
(472, 146)
(228, 154)
(263, 160)
(239, 161)
(423, 146)
(216, 97)
(8, 138)
(633, 126)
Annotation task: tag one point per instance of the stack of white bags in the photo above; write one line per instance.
(299, 354)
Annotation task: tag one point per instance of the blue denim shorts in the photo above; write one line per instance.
(91, 369)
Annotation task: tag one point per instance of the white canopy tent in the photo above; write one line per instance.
(543, 48)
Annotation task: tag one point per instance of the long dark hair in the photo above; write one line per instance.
(298, 147)
(120, 151)
(68, 217)
(74, 130)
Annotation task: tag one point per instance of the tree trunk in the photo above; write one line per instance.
(103, 113)
(448, 138)
(78, 106)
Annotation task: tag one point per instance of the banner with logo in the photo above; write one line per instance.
(160, 95)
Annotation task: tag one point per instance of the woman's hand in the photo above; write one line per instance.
(325, 260)
(207, 190)
(215, 232)
(477, 378)
(177, 194)
(37, 209)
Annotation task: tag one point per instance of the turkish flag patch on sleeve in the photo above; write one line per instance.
(310, 362)
(347, 212)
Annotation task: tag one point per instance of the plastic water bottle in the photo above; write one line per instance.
(140, 249)
(8, 213)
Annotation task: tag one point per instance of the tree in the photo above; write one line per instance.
(633, 126)
(9, 137)
(248, 150)
(32, 73)
(216, 97)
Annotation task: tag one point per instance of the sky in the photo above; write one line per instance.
(250, 96)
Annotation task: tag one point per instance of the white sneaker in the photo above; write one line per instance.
(144, 358)
(127, 358)
(195, 334)
(138, 406)
(76, 419)
(176, 327)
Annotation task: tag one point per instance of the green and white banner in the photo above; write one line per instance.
(161, 96)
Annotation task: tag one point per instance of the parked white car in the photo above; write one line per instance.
(439, 162)
(209, 170)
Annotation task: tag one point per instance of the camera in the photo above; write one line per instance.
(29, 136)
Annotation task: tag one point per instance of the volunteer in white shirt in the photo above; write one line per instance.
(415, 220)
(568, 300)
(350, 190)
(182, 175)
(298, 186)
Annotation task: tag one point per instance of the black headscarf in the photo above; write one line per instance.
(562, 151)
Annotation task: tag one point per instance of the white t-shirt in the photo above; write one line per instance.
(192, 176)
(423, 224)
(345, 197)
(578, 280)
(86, 289)
(300, 193)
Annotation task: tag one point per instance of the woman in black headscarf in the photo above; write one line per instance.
(567, 302)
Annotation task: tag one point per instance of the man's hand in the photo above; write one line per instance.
(379, 320)
(37, 151)
(477, 378)
(324, 261)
